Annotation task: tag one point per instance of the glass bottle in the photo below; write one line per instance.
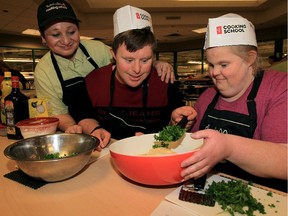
(16, 109)
(6, 88)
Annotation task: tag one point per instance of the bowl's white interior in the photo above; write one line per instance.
(138, 145)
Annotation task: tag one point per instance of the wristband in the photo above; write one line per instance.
(96, 128)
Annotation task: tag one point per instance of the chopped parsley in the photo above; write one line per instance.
(272, 205)
(169, 133)
(57, 156)
(235, 196)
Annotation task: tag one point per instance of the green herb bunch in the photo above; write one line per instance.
(235, 196)
(169, 133)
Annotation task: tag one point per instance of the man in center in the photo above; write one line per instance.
(128, 97)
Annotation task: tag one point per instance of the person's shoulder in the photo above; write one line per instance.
(275, 76)
(155, 78)
(273, 83)
(101, 72)
(209, 92)
(43, 63)
(92, 43)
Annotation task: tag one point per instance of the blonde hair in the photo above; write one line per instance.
(243, 50)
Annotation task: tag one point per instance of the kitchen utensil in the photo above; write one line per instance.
(194, 192)
(182, 123)
(174, 144)
(73, 153)
(199, 183)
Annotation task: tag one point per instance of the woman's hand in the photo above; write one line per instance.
(165, 71)
(213, 150)
(178, 114)
(103, 136)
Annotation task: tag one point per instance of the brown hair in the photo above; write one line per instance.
(135, 39)
(243, 50)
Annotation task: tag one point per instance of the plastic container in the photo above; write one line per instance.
(38, 126)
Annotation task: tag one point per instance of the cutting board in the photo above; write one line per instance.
(280, 202)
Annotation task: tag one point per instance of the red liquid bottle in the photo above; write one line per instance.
(16, 109)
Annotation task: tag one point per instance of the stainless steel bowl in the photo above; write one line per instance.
(31, 155)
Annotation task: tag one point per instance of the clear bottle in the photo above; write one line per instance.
(16, 109)
(6, 88)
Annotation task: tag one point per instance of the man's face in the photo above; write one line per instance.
(132, 68)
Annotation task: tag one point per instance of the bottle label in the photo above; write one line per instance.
(10, 117)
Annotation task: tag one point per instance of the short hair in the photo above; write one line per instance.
(135, 39)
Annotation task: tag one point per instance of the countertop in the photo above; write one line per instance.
(97, 190)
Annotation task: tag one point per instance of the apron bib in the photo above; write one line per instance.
(75, 95)
(229, 122)
(122, 126)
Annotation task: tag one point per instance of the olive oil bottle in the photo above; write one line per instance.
(16, 109)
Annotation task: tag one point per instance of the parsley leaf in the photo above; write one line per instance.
(235, 196)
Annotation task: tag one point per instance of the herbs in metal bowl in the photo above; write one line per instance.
(57, 156)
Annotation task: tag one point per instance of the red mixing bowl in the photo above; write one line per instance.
(127, 155)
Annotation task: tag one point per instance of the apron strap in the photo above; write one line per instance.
(112, 89)
(88, 56)
(251, 104)
(57, 69)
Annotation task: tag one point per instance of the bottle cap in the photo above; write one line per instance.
(7, 74)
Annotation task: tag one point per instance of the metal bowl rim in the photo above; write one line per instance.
(8, 148)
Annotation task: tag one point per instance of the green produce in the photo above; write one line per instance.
(57, 156)
(235, 196)
(168, 134)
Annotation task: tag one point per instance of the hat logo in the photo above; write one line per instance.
(142, 16)
(56, 6)
(219, 29)
(234, 28)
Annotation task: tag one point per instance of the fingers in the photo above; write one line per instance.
(74, 129)
(178, 113)
(166, 72)
(194, 169)
(105, 141)
(103, 136)
(195, 175)
(138, 133)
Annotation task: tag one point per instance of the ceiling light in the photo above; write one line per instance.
(31, 32)
(200, 31)
(19, 60)
(194, 62)
(86, 38)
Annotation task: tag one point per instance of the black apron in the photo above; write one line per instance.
(122, 126)
(75, 95)
(242, 125)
